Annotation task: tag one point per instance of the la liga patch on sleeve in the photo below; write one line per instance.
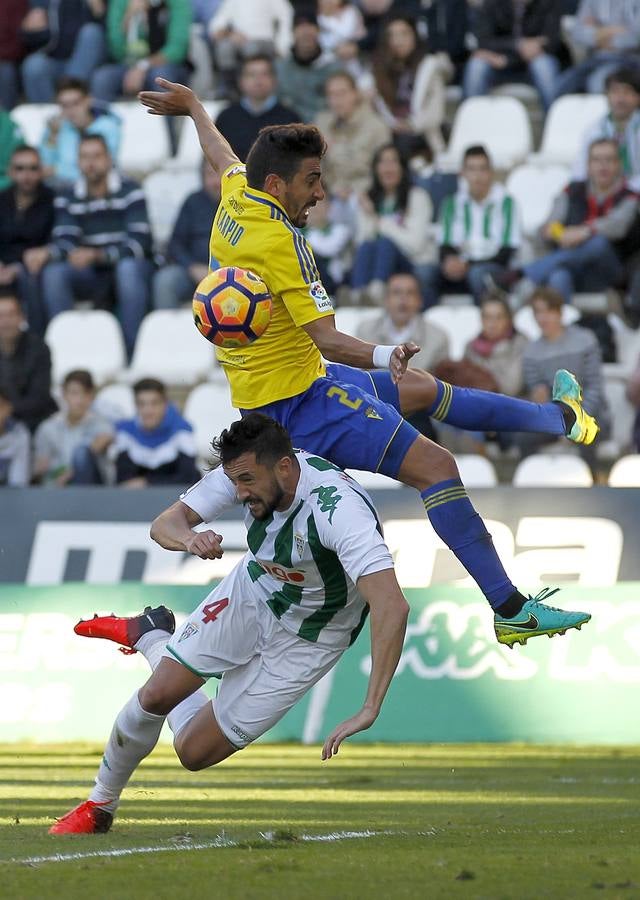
(320, 297)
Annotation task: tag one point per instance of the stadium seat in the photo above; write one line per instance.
(86, 339)
(461, 323)
(622, 419)
(476, 470)
(32, 118)
(349, 318)
(626, 472)
(534, 189)
(170, 348)
(165, 192)
(501, 124)
(565, 127)
(209, 410)
(552, 470)
(526, 324)
(373, 481)
(189, 154)
(115, 401)
(145, 139)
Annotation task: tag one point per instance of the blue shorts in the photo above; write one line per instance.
(351, 417)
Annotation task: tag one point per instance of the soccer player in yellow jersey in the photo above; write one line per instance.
(351, 411)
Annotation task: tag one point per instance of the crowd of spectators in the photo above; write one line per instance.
(395, 232)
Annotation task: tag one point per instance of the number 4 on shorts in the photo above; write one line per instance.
(212, 610)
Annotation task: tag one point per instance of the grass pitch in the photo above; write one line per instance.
(394, 821)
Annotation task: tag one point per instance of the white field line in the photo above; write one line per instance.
(218, 842)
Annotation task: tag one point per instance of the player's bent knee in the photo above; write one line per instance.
(154, 699)
(427, 464)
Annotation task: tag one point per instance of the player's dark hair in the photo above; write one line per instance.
(254, 433)
(377, 192)
(549, 296)
(81, 377)
(280, 150)
(96, 138)
(149, 384)
(623, 75)
(68, 83)
(476, 150)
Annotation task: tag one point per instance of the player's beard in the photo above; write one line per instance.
(267, 507)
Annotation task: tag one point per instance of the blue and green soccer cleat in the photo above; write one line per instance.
(566, 390)
(536, 618)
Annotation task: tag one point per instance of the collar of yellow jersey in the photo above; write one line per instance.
(266, 199)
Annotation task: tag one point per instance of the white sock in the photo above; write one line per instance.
(152, 645)
(135, 733)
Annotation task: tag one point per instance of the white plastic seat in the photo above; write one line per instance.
(461, 323)
(476, 470)
(526, 324)
(622, 414)
(145, 138)
(500, 124)
(189, 154)
(32, 119)
(165, 192)
(209, 410)
(349, 318)
(534, 188)
(565, 126)
(552, 470)
(373, 481)
(169, 347)
(115, 401)
(626, 472)
(86, 339)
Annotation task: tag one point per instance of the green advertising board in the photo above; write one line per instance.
(454, 682)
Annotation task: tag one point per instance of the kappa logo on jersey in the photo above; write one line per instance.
(371, 413)
(319, 296)
(299, 542)
(236, 170)
(328, 499)
(188, 631)
(292, 575)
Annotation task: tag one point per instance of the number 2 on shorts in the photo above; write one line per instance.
(212, 610)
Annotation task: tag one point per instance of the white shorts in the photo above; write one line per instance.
(265, 669)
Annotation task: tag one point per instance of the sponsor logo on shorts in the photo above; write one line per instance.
(190, 629)
(241, 734)
(371, 413)
(320, 297)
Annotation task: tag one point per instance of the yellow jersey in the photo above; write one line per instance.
(251, 230)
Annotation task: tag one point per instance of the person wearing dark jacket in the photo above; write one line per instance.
(157, 446)
(26, 221)
(11, 50)
(517, 40)
(258, 106)
(188, 249)
(25, 366)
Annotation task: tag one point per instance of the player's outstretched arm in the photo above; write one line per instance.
(351, 351)
(389, 612)
(178, 100)
(173, 530)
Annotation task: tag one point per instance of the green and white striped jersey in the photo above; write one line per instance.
(304, 562)
(479, 230)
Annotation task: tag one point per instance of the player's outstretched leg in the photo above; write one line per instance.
(433, 471)
(171, 690)
(476, 410)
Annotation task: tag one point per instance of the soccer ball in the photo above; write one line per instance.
(231, 307)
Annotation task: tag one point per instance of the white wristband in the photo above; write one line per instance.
(382, 356)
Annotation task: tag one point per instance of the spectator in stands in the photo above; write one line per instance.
(609, 33)
(446, 24)
(101, 243)
(25, 365)
(560, 347)
(69, 39)
(393, 233)
(79, 115)
(10, 138)
(341, 27)
(593, 226)
(516, 41)
(251, 28)
(26, 221)
(499, 347)
(410, 83)
(303, 73)
(258, 105)
(15, 449)
(188, 249)
(145, 41)
(70, 445)
(479, 232)
(329, 237)
(11, 50)
(157, 446)
(621, 123)
(353, 132)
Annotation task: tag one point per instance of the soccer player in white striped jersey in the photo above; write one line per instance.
(317, 565)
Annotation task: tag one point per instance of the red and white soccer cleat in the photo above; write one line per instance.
(127, 631)
(88, 818)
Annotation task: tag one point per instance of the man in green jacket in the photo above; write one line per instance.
(10, 138)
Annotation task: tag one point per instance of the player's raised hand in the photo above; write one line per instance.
(205, 544)
(400, 359)
(360, 722)
(174, 100)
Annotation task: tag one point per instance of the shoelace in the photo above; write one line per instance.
(543, 595)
